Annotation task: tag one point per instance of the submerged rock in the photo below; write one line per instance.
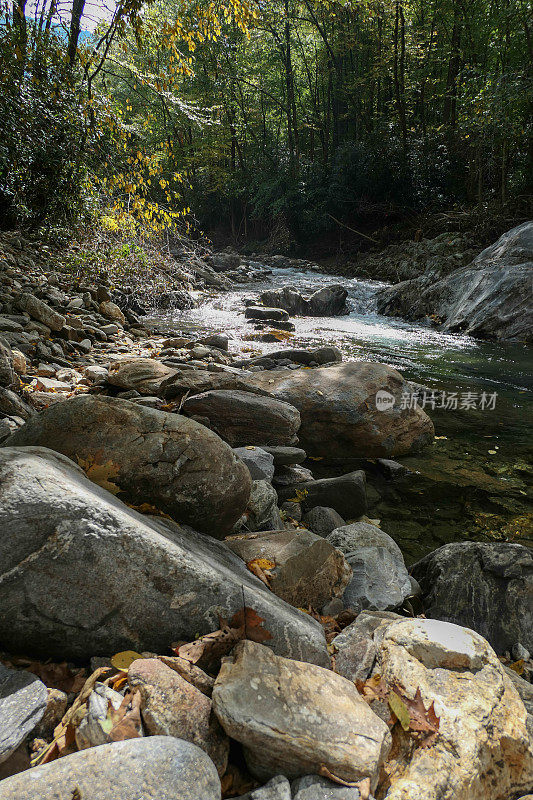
(147, 456)
(82, 574)
(338, 410)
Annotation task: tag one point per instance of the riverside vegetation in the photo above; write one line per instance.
(237, 560)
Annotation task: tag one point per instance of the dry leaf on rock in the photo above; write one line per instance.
(99, 472)
(207, 651)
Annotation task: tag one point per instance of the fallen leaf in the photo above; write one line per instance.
(125, 720)
(517, 666)
(123, 660)
(99, 472)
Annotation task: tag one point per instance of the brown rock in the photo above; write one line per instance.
(338, 410)
(111, 311)
(145, 375)
(171, 706)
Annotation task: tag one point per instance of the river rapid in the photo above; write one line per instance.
(475, 481)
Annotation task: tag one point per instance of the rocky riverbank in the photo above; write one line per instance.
(196, 599)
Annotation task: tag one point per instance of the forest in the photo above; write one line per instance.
(266, 400)
(251, 114)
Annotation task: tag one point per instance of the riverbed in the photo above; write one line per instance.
(475, 481)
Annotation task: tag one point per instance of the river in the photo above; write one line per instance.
(481, 454)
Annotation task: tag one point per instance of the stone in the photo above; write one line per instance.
(291, 476)
(345, 494)
(22, 705)
(286, 456)
(145, 375)
(263, 313)
(356, 647)
(482, 749)
(51, 385)
(260, 463)
(322, 520)
(56, 705)
(218, 340)
(188, 381)
(486, 586)
(262, 512)
(150, 582)
(313, 787)
(111, 311)
(6, 364)
(96, 373)
(308, 570)
(147, 456)
(171, 706)
(14, 406)
(91, 730)
(380, 579)
(338, 410)
(292, 717)
(278, 788)
(330, 301)
(223, 262)
(154, 768)
(491, 297)
(20, 362)
(41, 311)
(243, 418)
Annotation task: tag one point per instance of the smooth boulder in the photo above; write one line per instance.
(380, 579)
(487, 586)
(330, 301)
(145, 375)
(81, 574)
(154, 768)
(346, 494)
(292, 718)
(147, 456)
(339, 415)
(244, 418)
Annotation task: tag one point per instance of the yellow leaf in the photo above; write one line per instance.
(100, 473)
(400, 710)
(262, 563)
(517, 666)
(123, 660)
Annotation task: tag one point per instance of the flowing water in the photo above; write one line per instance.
(482, 454)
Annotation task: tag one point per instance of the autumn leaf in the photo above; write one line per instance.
(399, 709)
(125, 721)
(122, 661)
(261, 567)
(207, 651)
(99, 472)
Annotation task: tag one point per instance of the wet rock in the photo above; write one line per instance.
(260, 463)
(22, 705)
(218, 340)
(338, 410)
(380, 580)
(327, 302)
(171, 706)
(243, 418)
(319, 355)
(308, 570)
(156, 768)
(345, 494)
(268, 314)
(41, 311)
(145, 375)
(486, 586)
(147, 456)
(323, 520)
(150, 582)
(292, 717)
(483, 748)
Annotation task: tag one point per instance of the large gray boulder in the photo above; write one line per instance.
(491, 297)
(292, 718)
(22, 706)
(147, 456)
(340, 418)
(81, 574)
(329, 301)
(487, 586)
(243, 418)
(154, 768)
(380, 579)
